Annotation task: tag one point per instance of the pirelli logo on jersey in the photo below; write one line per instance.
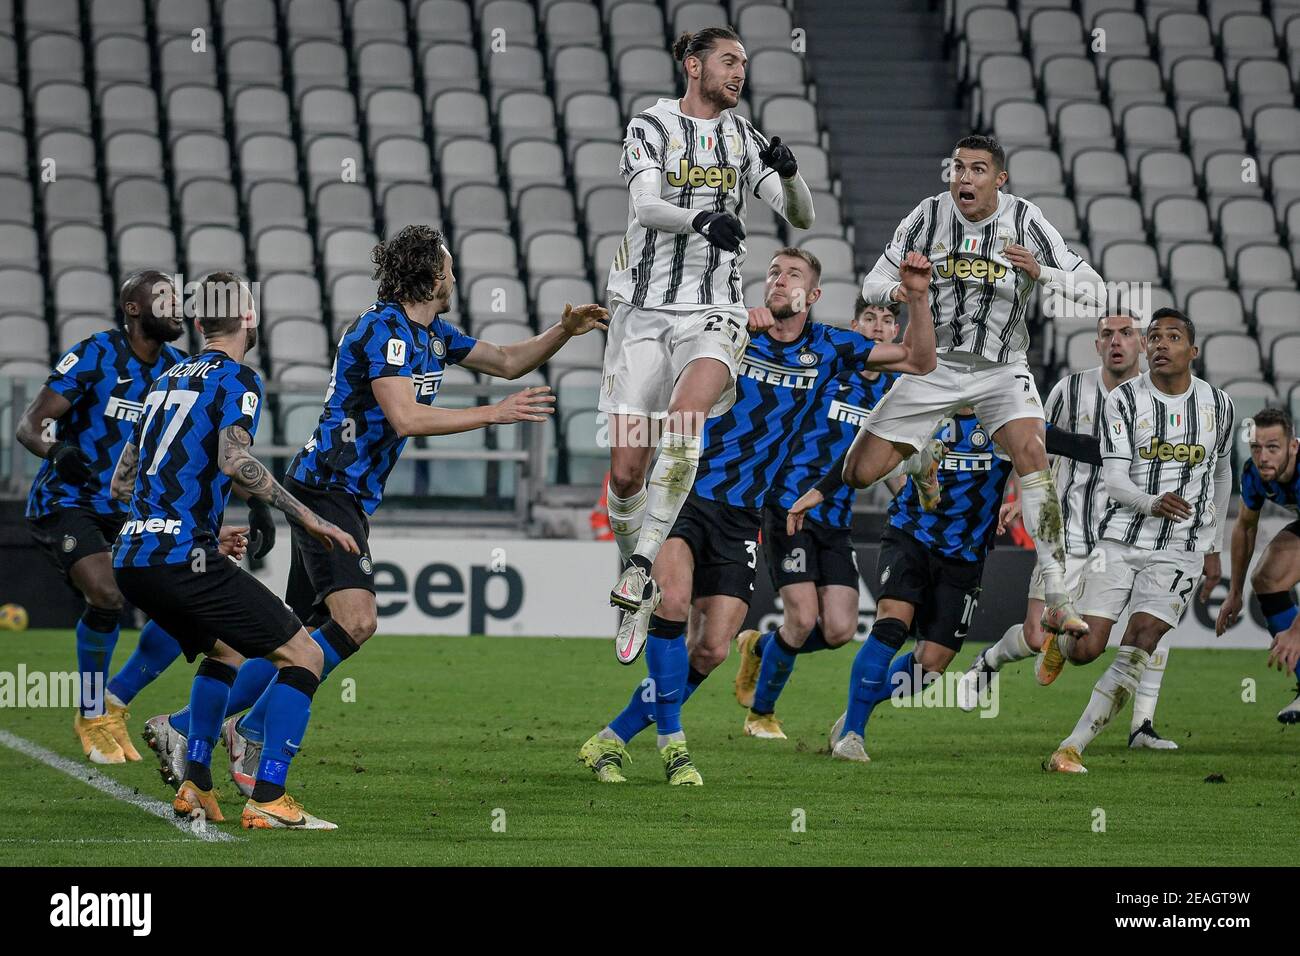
(427, 383)
(769, 373)
(960, 267)
(1168, 451)
(123, 410)
(848, 414)
(966, 461)
(725, 178)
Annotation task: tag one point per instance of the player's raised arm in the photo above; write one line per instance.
(883, 284)
(410, 418)
(916, 353)
(237, 461)
(520, 358)
(1244, 534)
(1057, 268)
(780, 185)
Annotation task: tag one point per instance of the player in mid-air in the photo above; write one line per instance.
(191, 443)
(706, 567)
(387, 372)
(1167, 465)
(991, 251)
(1077, 404)
(1270, 474)
(678, 329)
(78, 423)
(815, 571)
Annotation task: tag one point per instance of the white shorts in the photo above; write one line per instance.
(1075, 565)
(647, 349)
(1159, 583)
(911, 411)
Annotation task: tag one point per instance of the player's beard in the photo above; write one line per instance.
(160, 328)
(782, 311)
(250, 339)
(713, 91)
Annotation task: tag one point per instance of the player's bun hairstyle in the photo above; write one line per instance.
(813, 262)
(860, 305)
(223, 299)
(699, 44)
(1275, 417)
(1167, 313)
(406, 264)
(986, 143)
(139, 288)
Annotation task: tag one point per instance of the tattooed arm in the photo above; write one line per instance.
(251, 475)
(122, 487)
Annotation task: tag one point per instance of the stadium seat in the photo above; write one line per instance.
(1129, 262)
(480, 253)
(1244, 221)
(70, 199)
(199, 156)
(345, 204)
(71, 152)
(261, 109)
(1284, 360)
(985, 31)
(393, 113)
(244, 19)
(516, 68)
(1225, 175)
(532, 161)
(298, 341)
(1227, 356)
(78, 328)
(1260, 83)
(1083, 126)
(1212, 129)
(212, 248)
(1068, 79)
(1180, 35)
(71, 244)
(24, 337)
(438, 21)
(525, 115)
(1177, 219)
(267, 156)
(553, 254)
(495, 298)
(402, 159)
(591, 116)
(1263, 266)
(1060, 213)
(75, 290)
(280, 249)
(253, 61)
(1131, 80)
(176, 18)
(287, 293)
(180, 65)
(1099, 172)
(1215, 310)
(545, 207)
(1275, 313)
(1196, 81)
(1002, 76)
(1162, 173)
(1125, 30)
(450, 66)
(16, 200)
(62, 105)
(580, 69)
(836, 304)
(276, 204)
(1020, 123)
(54, 56)
(1249, 397)
(1194, 265)
(644, 70)
(1112, 219)
(378, 20)
(1244, 36)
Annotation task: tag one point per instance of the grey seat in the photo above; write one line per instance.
(54, 56)
(210, 248)
(1222, 177)
(267, 156)
(1263, 266)
(200, 156)
(325, 111)
(276, 203)
(15, 199)
(1212, 129)
(381, 64)
(485, 253)
(1276, 130)
(378, 19)
(252, 61)
(1193, 265)
(181, 65)
(24, 337)
(1197, 80)
(644, 69)
(591, 116)
(1229, 356)
(1002, 76)
(596, 165)
(515, 68)
(1245, 221)
(242, 19)
(985, 30)
(568, 23)
(177, 18)
(1099, 172)
(1260, 83)
(318, 63)
(132, 154)
(1216, 310)
(62, 105)
(545, 207)
(350, 295)
(1131, 80)
(438, 21)
(261, 109)
(1180, 35)
(128, 107)
(525, 115)
(1147, 127)
(497, 298)
(75, 290)
(533, 161)
(19, 247)
(580, 69)
(1069, 79)
(298, 340)
(393, 113)
(209, 202)
(1113, 219)
(345, 204)
(1020, 123)
(1275, 314)
(136, 201)
(78, 328)
(634, 24)
(280, 249)
(1083, 126)
(345, 250)
(450, 66)
(72, 152)
(467, 161)
(1164, 173)
(1126, 31)
(314, 19)
(408, 203)
(289, 293)
(1178, 219)
(1036, 171)
(1244, 36)
(22, 290)
(402, 159)
(514, 18)
(146, 247)
(459, 114)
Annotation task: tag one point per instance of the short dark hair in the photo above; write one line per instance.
(1168, 313)
(1279, 417)
(223, 299)
(813, 262)
(405, 265)
(1123, 313)
(700, 43)
(860, 305)
(986, 143)
(140, 288)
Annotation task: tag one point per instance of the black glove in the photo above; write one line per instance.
(722, 229)
(261, 529)
(71, 463)
(778, 156)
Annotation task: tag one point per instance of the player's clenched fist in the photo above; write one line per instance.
(915, 272)
(1023, 259)
(1285, 653)
(1171, 506)
(722, 229)
(760, 319)
(580, 319)
(232, 541)
(779, 157)
(533, 404)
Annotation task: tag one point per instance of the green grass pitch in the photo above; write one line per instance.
(448, 736)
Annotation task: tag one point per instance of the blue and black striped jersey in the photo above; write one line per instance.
(777, 387)
(180, 490)
(1255, 490)
(354, 447)
(105, 382)
(842, 409)
(972, 477)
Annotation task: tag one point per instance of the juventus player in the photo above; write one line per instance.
(990, 250)
(1168, 471)
(679, 324)
(1077, 404)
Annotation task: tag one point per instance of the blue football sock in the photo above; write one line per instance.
(693, 681)
(870, 672)
(667, 660)
(637, 715)
(253, 724)
(900, 680)
(153, 655)
(1279, 611)
(287, 714)
(815, 641)
(94, 652)
(778, 664)
(254, 678)
(208, 696)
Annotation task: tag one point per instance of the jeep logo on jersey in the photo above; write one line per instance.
(123, 410)
(427, 383)
(151, 526)
(848, 414)
(955, 267)
(1166, 451)
(769, 373)
(396, 354)
(712, 177)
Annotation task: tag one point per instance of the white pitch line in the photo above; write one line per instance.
(108, 785)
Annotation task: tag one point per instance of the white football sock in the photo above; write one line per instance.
(1041, 510)
(1109, 695)
(625, 516)
(670, 483)
(608, 734)
(663, 740)
(1011, 647)
(1148, 690)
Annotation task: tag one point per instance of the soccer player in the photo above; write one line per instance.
(191, 443)
(679, 324)
(387, 372)
(706, 567)
(1270, 474)
(1077, 404)
(816, 570)
(1168, 471)
(78, 423)
(991, 251)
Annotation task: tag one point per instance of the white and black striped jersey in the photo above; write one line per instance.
(1078, 404)
(979, 302)
(701, 164)
(1172, 443)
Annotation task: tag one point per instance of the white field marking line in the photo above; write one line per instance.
(113, 840)
(108, 785)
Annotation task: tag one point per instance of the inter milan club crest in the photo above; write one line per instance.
(439, 348)
(807, 358)
(978, 438)
(69, 543)
(366, 566)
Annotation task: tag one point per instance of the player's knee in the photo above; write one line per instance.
(933, 658)
(1266, 581)
(706, 657)
(798, 623)
(104, 594)
(360, 623)
(839, 633)
(890, 631)
(626, 478)
(302, 651)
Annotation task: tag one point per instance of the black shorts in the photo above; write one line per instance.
(724, 542)
(221, 603)
(1293, 528)
(943, 591)
(69, 535)
(316, 572)
(817, 553)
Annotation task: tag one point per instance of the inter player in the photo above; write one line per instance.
(991, 251)
(78, 423)
(387, 373)
(706, 567)
(1168, 471)
(1270, 474)
(191, 443)
(679, 323)
(816, 570)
